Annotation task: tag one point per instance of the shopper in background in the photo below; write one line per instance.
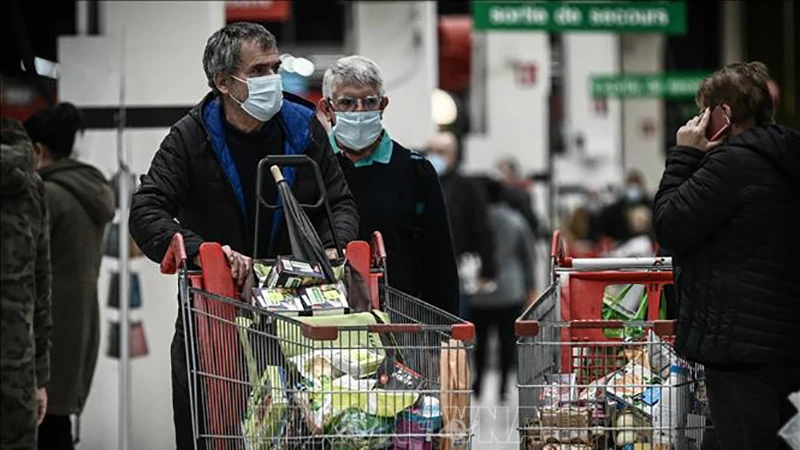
(25, 320)
(397, 191)
(517, 194)
(81, 204)
(515, 284)
(469, 218)
(614, 220)
(728, 212)
(202, 181)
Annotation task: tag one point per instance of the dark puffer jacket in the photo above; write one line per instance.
(193, 186)
(731, 218)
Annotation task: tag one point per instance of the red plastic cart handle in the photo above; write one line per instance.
(531, 328)
(378, 249)
(175, 256)
(625, 277)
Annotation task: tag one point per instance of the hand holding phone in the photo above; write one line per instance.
(695, 133)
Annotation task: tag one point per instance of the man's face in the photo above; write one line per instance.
(446, 153)
(353, 98)
(254, 61)
(508, 174)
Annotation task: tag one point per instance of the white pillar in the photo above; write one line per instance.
(164, 44)
(593, 128)
(402, 38)
(732, 35)
(643, 118)
(517, 97)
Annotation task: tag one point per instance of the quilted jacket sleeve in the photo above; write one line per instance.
(156, 203)
(697, 194)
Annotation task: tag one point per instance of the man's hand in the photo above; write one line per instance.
(240, 265)
(486, 286)
(693, 134)
(41, 400)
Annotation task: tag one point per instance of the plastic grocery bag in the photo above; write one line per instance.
(455, 376)
(627, 302)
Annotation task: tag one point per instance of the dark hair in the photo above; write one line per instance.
(222, 53)
(495, 190)
(634, 176)
(743, 87)
(55, 127)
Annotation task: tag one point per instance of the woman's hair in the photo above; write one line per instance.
(743, 87)
(55, 127)
(494, 189)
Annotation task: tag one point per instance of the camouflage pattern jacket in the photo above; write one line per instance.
(25, 323)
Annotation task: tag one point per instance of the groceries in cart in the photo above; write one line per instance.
(295, 288)
(357, 385)
(642, 395)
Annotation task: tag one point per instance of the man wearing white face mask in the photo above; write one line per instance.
(397, 191)
(202, 181)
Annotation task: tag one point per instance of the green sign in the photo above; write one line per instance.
(675, 85)
(620, 17)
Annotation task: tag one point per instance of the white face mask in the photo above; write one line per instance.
(634, 194)
(357, 130)
(264, 96)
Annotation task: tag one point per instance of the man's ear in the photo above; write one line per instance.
(326, 109)
(384, 104)
(221, 82)
(727, 110)
(38, 154)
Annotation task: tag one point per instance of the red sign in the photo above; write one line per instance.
(525, 73)
(258, 10)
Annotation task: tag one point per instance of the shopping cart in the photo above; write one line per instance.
(393, 377)
(588, 383)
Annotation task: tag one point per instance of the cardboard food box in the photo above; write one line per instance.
(328, 299)
(279, 300)
(289, 273)
(566, 416)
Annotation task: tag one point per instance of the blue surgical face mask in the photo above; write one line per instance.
(264, 96)
(438, 163)
(357, 130)
(634, 194)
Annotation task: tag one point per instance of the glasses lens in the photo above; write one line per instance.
(371, 103)
(346, 104)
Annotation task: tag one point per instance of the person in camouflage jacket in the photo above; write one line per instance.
(25, 322)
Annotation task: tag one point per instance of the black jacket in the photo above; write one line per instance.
(469, 220)
(730, 218)
(81, 203)
(403, 199)
(193, 187)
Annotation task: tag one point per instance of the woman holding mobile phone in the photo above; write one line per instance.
(728, 209)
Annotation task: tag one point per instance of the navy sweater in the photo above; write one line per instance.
(387, 202)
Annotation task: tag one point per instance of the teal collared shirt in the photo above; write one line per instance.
(382, 153)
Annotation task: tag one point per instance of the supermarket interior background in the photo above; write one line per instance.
(582, 107)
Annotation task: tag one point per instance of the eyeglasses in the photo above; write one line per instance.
(350, 104)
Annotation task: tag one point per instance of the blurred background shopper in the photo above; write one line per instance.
(469, 219)
(497, 310)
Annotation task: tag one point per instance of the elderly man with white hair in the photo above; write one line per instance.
(397, 191)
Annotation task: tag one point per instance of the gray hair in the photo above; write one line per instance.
(222, 54)
(352, 70)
